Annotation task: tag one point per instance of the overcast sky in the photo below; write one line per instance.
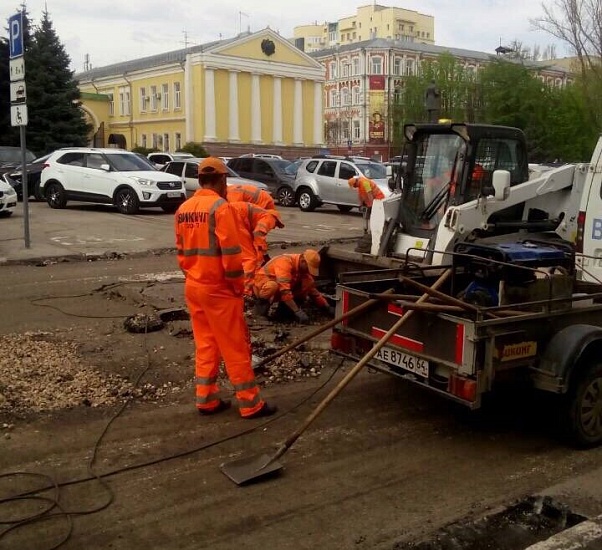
(110, 32)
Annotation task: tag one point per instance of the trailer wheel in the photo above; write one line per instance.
(581, 411)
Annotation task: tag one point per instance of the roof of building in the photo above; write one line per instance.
(176, 56)
(386, 43)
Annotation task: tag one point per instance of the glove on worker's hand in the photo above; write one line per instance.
(302, 316)
(266, 258)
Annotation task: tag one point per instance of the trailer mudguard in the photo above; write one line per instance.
(564, 351)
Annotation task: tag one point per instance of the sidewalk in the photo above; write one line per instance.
(92, 232)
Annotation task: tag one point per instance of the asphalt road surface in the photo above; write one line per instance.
(385, 465)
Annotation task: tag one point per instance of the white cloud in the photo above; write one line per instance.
(111, 32)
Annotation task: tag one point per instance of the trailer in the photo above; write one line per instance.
(511, 312)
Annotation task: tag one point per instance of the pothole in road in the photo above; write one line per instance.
(530, 521)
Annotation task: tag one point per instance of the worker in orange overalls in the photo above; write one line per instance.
(254, 224)
(289, 279)
(209, 254)
(252, 194)
(367, 192)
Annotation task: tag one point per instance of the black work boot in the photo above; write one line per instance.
(261, 307)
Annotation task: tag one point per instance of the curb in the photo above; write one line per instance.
(42, 261)
(586, 535)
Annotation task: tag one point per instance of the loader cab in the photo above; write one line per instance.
(451, 164)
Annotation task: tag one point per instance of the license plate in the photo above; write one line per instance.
(404, 361)
(174, 194)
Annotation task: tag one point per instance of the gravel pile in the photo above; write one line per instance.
(40, 374)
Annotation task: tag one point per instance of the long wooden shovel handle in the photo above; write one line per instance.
(322, 328)
(353, 372)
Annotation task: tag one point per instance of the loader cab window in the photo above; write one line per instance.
(432, 181)
(495, 154)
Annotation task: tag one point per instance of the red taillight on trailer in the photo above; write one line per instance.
(464, 388)
(580, 231)
(340, 342)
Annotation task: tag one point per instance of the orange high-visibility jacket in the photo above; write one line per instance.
(284, 270)
(258, 222)
(365, 186)
(250, 193)
(208, 242)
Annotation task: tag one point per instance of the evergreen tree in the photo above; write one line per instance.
(55, 119)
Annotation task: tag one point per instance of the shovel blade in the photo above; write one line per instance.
(251, 469)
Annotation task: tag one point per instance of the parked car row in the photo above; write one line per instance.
(130, 181)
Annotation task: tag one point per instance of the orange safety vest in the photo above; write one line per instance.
(363, 192)
(284, 269)
(250, 193)
(207, 241)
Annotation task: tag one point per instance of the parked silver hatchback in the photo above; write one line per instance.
(324, 180)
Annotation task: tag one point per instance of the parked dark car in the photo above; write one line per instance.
(34, 170)
(10, 157)
(270, 171)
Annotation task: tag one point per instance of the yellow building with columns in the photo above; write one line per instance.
(255, 92)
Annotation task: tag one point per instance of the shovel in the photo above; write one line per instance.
(249, 469)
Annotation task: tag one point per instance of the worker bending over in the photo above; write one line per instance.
(254, 224)
(252, 194)
(289, 279)
(209, 254)
(367, 192)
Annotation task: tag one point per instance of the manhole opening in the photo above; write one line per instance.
(529, 521)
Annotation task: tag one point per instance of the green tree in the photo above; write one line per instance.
(55, 117)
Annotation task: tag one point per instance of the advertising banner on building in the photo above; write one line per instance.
(376, 109)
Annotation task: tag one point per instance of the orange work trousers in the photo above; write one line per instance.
(220, 331)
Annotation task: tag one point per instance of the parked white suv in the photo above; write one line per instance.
(108, 176)
(161, 159)
(324, 180)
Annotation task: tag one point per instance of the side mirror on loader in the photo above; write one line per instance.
(501, 184)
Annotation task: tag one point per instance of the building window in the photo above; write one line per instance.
(178, 141)
(332, 97)
(332, 69)
(345, 96)
(345, 69)
(124, 101)
(356, 130)
(166, 142)
(153, 98)
(176, 96)
(143, 99)
(155, 141)
(397, 66)
(111, 105)
(356, 95)
(143, 144)
(409, 67)
(165, 97)
(377, 65)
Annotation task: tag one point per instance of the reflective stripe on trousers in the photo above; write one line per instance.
(220, 331)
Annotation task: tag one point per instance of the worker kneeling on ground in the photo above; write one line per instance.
(209, 254)
(289, 281)
(367, 192)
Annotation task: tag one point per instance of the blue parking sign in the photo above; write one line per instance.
(15, 35)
